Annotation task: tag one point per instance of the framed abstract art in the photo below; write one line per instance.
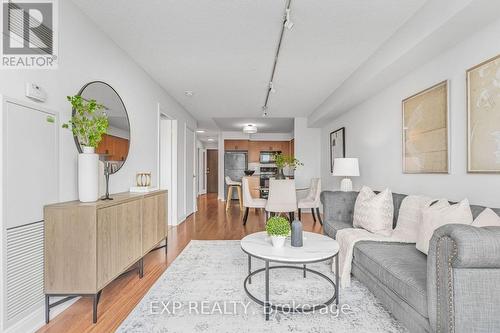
(337, 145)
(425, 131)
(483, 117)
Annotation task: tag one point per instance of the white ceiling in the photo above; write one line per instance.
(223, 50)
(264, 125)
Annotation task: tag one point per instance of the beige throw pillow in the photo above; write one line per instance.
(439, 214)
(487, 218)
(374, 212)
(410, 218)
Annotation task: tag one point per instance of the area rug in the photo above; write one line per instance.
(202, 291)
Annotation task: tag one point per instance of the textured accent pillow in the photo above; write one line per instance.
(374, 212)
(439, 214)
(487, 218)
(410, 218)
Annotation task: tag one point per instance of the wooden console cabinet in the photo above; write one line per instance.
(88, 245)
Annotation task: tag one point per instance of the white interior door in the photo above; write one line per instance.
(202, 171)
(167, 166)
(190, 176)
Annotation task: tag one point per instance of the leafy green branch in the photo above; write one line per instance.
(89, 121)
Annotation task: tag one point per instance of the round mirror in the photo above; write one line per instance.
(116, 142)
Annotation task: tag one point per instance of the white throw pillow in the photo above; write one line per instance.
(410, 218)
(487, 218)
(374, 212)
(439, 214)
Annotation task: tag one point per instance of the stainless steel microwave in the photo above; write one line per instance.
(267, 157)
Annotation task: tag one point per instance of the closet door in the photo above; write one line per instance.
(30, 176)
(30, 163)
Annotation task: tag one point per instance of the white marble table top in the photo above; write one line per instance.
(316, 247)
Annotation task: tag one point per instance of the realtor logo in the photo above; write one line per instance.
(29, 34)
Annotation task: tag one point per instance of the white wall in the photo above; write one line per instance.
(373, 130)
(308, 151)
(86, 54)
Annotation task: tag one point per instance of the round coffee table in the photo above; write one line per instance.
(316, 248)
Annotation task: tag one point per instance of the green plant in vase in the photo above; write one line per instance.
(278, 228)
(283, 161)
(88, 123)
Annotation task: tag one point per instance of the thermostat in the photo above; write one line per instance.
(34, 91)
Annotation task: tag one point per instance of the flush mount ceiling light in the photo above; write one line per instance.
(250, 129)
(200, 131)
(188, 93)
(210, 140)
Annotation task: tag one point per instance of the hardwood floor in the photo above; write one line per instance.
(120, 297)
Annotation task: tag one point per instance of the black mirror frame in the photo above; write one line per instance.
(78, 147)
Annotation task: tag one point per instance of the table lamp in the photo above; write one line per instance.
(345, 167)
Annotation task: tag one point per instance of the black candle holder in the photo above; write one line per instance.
(107, 172)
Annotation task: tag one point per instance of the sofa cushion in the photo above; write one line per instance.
(330, 227)
(400, 267)
(374, 212)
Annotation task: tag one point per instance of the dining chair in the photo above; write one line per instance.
(249, 201)
(282, 197)
(231, 184)
(312, 200)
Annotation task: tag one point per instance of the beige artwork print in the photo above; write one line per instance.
(484, 117)
(425, 131)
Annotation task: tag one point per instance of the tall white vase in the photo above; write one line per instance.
(88, 175)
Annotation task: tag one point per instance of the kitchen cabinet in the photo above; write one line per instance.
(236, 145)
(114, 147)
(253, 152)
(255, 147)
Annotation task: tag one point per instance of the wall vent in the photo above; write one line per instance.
(24, 281)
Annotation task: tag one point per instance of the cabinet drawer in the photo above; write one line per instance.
(118, 239)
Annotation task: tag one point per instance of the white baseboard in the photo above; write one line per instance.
(36, 319)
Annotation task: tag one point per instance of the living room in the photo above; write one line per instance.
(263, 166)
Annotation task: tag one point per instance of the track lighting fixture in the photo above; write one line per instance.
(264, 111)
(288, 22)
(271, 88)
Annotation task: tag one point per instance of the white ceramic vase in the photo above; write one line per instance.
(278, 241)
(88, 175)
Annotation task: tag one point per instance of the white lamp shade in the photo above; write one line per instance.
(345, 167)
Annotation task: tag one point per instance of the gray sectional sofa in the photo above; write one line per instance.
(456, 288)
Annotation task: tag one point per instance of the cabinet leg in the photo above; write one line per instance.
(141, 268)
(94, 306)
(47, 309)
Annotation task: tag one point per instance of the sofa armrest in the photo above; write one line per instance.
(463, 271)
(338, 206)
